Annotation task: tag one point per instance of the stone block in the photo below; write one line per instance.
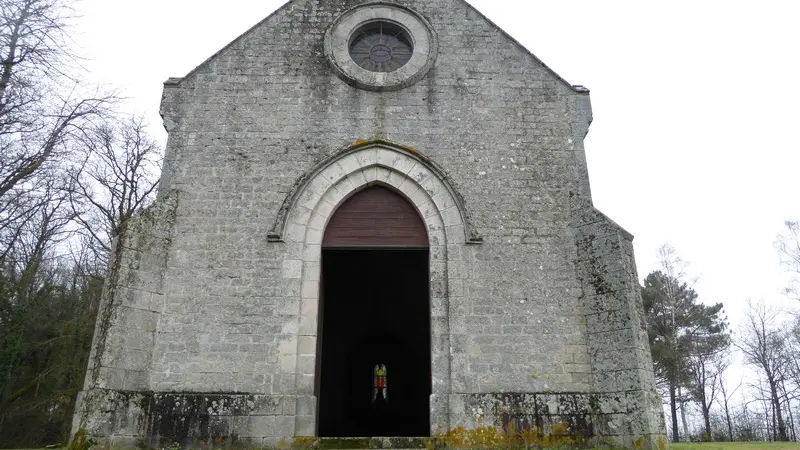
(305, 426)
(284, 426)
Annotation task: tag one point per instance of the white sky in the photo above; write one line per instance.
(695, 106)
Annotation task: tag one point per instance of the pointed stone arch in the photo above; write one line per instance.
(438, 185)
(312, 206)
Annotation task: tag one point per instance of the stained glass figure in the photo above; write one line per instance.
(380, 386)
(381, 47)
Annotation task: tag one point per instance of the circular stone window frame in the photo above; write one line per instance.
(423, 39)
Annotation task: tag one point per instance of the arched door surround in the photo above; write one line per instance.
(306, 214)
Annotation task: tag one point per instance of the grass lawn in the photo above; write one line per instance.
(738, 446)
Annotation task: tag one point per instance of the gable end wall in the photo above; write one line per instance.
(248, 125)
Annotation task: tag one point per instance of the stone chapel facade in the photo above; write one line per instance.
(374, 220)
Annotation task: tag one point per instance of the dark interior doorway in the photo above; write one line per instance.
(374, 313)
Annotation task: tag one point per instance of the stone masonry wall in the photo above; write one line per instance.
(251, 121)
(219, 315)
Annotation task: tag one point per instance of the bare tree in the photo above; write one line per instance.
(791, 385)
(722, 365)
(42, 112)
(39, 108)
(706, 358)
(117, 177)
(706, 369)
(47, 227)
(787, 394)
(763, 345)
(788, 245)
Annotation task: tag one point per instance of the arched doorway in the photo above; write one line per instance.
(374, 364)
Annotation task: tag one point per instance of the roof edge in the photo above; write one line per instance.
(573, 87)
(175, 81)
(625, 233)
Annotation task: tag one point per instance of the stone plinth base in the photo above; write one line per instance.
(156, 420)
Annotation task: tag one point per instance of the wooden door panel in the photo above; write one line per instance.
(376, 217)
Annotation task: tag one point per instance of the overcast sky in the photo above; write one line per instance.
(695, 110)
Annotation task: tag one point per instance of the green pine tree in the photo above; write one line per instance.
(679, 327)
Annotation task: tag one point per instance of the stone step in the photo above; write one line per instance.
(354, 443)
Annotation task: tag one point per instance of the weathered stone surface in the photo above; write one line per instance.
(213, 296)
